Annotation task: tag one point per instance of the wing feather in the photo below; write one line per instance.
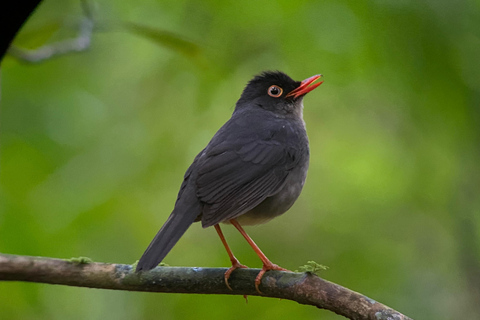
(231, 183)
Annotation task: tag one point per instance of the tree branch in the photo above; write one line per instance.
(80, 43)
(12, 17)
(304, 288)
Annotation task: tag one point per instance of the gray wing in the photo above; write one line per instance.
(236, 176)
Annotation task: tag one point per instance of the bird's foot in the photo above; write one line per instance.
(266, 267)
(235, 265)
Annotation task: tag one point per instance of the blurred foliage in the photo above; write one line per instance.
(166, 39)
(94, 146)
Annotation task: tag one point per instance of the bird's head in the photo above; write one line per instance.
(277, 92)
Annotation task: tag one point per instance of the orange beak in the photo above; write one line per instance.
(305, 87)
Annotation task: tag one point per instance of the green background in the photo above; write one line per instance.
(94, 146)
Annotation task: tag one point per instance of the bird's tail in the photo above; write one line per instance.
(180, 219)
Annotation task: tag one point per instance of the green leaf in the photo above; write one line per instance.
(31, 38)
(167, 39)
(313, 267)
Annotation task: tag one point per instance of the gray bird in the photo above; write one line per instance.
(252, 170)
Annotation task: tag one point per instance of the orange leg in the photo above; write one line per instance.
(235, 263)
(267, 264)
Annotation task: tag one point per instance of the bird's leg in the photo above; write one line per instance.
(235, 263)
(267, 264)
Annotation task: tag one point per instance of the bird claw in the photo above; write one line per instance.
(235, 265)
(265, 268)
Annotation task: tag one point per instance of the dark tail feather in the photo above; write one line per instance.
(173, 229)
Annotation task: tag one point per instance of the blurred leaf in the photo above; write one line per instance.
(166, 39)
(34, 38)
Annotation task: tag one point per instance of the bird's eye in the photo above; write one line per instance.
(275, 91)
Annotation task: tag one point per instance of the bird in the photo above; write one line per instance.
(251, 171)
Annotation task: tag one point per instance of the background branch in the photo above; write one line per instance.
(12, 18)
(304, 288)
(80, 43)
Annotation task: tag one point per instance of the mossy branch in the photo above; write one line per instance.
(304, 288)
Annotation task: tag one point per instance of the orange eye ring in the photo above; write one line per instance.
(275, 91)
